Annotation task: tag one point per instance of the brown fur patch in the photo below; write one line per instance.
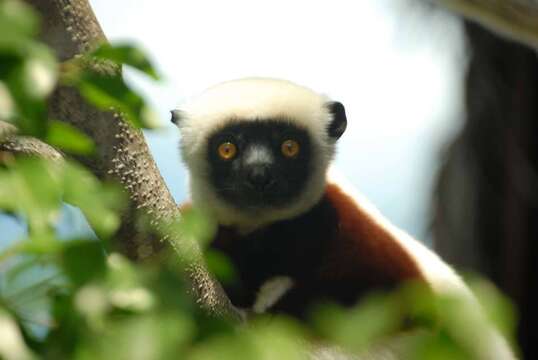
(361, 240)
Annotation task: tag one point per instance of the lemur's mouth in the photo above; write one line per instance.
(256, 199)
(260, 199)
(263, 189)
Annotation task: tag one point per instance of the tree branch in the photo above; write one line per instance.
(515, 19)
(6, 130)
(30, 146)
(70, 29)
(10, 143)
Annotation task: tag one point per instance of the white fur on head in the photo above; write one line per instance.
(253, 99)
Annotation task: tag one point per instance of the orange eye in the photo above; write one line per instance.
(290, 148)
(227, 151)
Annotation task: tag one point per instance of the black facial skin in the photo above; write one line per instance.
(254, 187)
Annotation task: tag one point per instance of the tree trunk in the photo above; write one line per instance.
(487, 199)
(70, 28)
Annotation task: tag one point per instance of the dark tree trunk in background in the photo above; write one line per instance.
(487, 196)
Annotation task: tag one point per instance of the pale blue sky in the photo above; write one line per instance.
(395, 65)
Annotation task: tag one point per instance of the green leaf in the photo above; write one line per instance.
(156, 336)
(70, 331)
(121, 272)
(225, 347)
(264, 339)
(99, 202)
(12, 345)
(107, 89)
(194, 225)
(40, 244)
(497, 306)
(279, 338)
(7, 104)
(39, 71)
(128, 55)
(375, 317)
(17, 20)
(110, 92)
(438, 347)
(221, 266)
(30, 73)
(18, 269)
(28, 113)
(28, 69)
(35, 188)
(32, 187)
(68, 138)
(83, 261)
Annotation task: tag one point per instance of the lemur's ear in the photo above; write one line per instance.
(176, 116)
(339, 121)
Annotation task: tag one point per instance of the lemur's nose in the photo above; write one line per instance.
(259, 177)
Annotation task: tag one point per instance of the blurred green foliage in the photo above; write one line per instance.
(75, 300)
(28, 70)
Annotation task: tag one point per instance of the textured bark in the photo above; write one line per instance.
(11, 144)
(487, 199)
(29, 146)
(6, 130)
(70, 28)
(514, 19)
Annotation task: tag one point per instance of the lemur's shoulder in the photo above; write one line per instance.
(389, 248)
(360, 239)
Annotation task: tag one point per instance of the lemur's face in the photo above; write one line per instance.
(255, 165)
(257, 149)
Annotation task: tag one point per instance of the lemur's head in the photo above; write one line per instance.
(258, 149)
